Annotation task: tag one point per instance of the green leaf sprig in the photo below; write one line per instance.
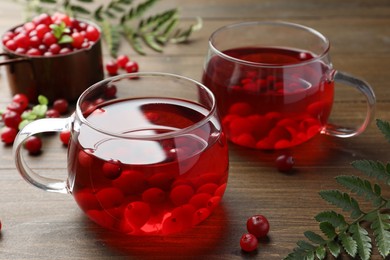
(38, 111)
(364, 229)
(123, 19)
(61, 32)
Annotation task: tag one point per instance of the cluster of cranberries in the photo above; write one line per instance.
(121, 62)
(17, 110)
(49, 35)
(258, 228)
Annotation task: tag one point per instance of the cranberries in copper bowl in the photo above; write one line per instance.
(55, 56)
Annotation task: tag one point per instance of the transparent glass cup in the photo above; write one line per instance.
(274, 84)
(147, 153)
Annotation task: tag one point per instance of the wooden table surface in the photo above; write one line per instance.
(42, 225)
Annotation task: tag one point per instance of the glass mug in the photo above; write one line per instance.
(146, 156)
(274, 84)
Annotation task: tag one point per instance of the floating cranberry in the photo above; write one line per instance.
(248, 242)
(112, 169)
(137, 213)
(153, 196)
(258, 226)
(181, 194)
(33, 145)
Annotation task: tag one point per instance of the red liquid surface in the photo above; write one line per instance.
(148, 187)
(270, 107)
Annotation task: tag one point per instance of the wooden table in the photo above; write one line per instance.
(42, 225)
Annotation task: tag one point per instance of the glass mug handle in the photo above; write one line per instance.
(366, 90)
(35, 127)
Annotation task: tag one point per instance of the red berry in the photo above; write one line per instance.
(33, 145)
(22, 40)
(284, 163)
(248, 242)
(60, 17)
(65, 137)
(21, 99)
(61, 105)
(92, 33)
(131, 66)
(13, 106)
(122, 60)
(49, 38)
(55, 48)
(258, 226)
(52, 113)
(12, 119)
(11, 45)
(8, 135)
(112, 67)
(78, 40)
(33, 52)
(110, 91)
(43, 19)
(41, 29)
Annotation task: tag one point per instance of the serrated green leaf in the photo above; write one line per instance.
(349, 245)
(111, 36)
(334, 248)
(49, 1)
(373, 169)
(24, 123)
(305, 245)
(98, 13)
(79, 9)
(133, 40)
(343, 201)
(314, 238)
(384, 127)
(39, 110)
(328, 230)
(337, 220)
(65, 39)
(361, 187)
(363, 241)
(151, 42)
(320, 252)
(380, 228)
(309, 256)
(42, 100)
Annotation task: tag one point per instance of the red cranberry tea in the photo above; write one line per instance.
(277, 99)
(148, 185)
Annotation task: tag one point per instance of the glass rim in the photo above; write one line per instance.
(151, 137)
(273, 23)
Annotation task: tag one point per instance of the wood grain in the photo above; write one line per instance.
(41, 225)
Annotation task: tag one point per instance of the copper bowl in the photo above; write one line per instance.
(58, 76)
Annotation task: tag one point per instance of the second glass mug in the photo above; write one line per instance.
(146, 156)
(274, 84)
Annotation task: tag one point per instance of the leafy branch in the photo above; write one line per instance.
(123, 19)
(357, 236)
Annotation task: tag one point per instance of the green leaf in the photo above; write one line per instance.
(58, 29)
(334, 248)
(384, 127)
(335, 219)
(373, 169)
(49, 1)
(111, 36)
(79, 9)
(306, 245)
(28, 116)
(42, 100)
(23, 123)
(362, 188)
(380, 227)
(349, 245)
(39, 110)
(363, 241)
(343, 201)
(320, 252)
(150, 40)
(328, 230)
(314, 238)
(65, 39)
